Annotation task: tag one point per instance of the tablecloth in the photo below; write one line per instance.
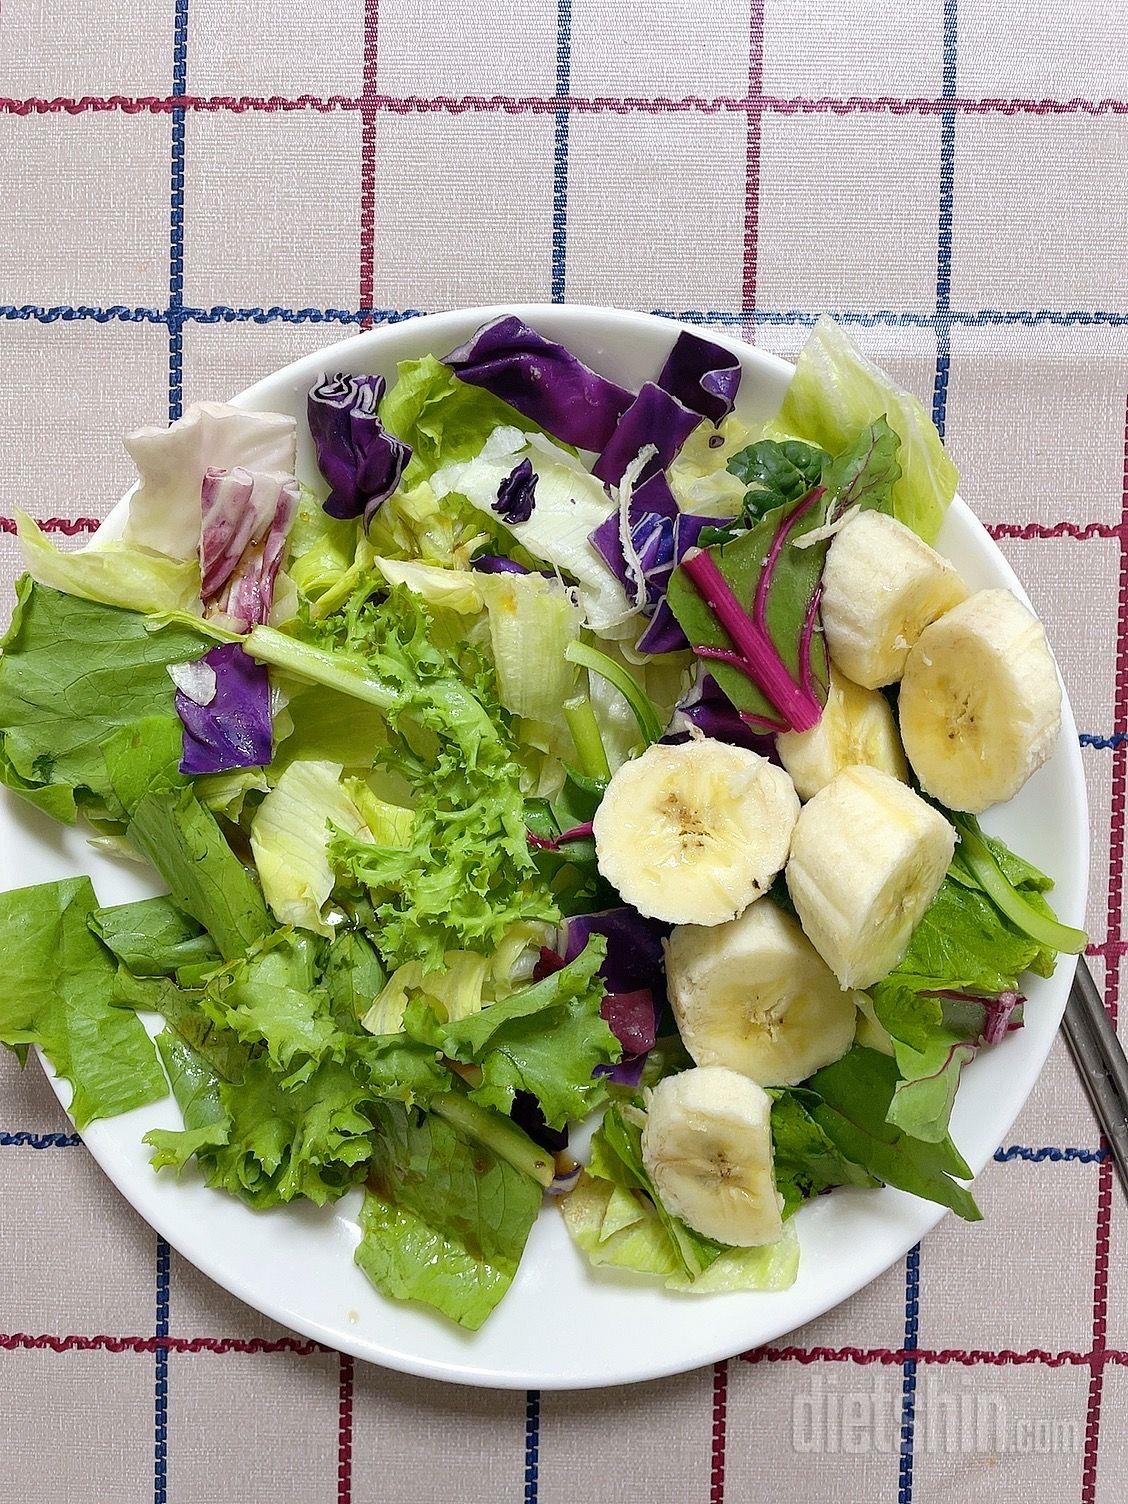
(193, 192)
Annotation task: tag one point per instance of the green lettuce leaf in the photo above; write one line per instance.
(546, 1039)
(776, 475)
(933, 1039)
(443, 419)
(116, 574)
(181, 1009)
(185, 844)
(153, 937)
(261, 1141)
(56, 992)
(290, 838)
(72, 673)
(807, 1161)
(444, 1222)
(850, 1103)
(621, 1229)
(836, 392)
(963, 944)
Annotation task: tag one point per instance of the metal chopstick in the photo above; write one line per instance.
(1101, 1063)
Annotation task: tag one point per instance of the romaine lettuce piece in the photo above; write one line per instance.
(56, 992)
(532, 621)
(445, 1222)
(152, 937)
(182, 840)
(72, 673)
(546, 1039)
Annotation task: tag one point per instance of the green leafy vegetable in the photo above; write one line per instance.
(853, 1097)
(836, 392)
(116, 574)
(153, 937)
(444, 1222)
(776, 475)
(807, 1161)
(546, 1039)
(56, 992)
(72, 673)
(1029, 913)
(186, 846)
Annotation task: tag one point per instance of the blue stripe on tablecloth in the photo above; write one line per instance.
(560, 151)
(24, 1140)
(221, 313)
(532, 1446)
(175, 406)
(944, 227)
(909, 1377)
(160, 1381)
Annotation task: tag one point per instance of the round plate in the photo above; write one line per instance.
(563, 1325)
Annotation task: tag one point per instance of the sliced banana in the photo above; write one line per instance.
(980, 703)
(694, 833)
(755, 995)
(881, 587)
(856, 726)
(707, 1146)
(867, 858)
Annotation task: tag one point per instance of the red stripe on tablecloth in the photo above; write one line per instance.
(101, 1342)
(545, 105)
(752, 158)
(368, 110)
(720, 1433)
(68, 525)
(895, 1356)
(345, 1431)
(1114, 931)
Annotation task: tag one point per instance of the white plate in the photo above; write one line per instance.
(563, 1325)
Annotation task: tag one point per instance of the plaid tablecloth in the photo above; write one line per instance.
(193, 192)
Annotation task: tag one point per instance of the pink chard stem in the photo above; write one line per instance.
(754, 653)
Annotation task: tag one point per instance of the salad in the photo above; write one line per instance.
(552, 753)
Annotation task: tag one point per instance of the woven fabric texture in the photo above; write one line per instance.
(194, 192)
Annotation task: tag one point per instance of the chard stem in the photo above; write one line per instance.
(756, 655)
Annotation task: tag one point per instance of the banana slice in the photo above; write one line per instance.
(980, 702)
(755, 995)
(856, 726)
(707, 1146)
(867, 858)
(881, 587)
(692, 834)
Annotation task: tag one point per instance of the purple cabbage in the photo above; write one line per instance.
(707, 707)
(663, 633)
(497, 564)
(634, 958)
(233, 730)
(653, 418)
(652, 538)
(356, 454)
(245, 520)
(633, 1019)
(516, 496)
(543, 381)
(702, 376)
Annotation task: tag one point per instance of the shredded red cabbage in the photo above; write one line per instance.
(246, 519)
(234, 729)
(542, 380)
